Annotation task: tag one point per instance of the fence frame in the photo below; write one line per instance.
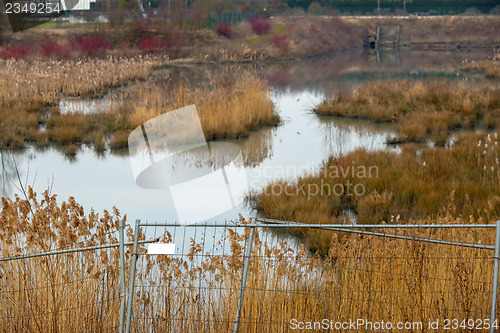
(354, 228)
(126, 317)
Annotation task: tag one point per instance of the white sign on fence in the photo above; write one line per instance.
(161, 248)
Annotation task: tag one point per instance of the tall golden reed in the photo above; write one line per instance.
(360, 278)
(229, 107)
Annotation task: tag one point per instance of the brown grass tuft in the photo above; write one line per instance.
(421, 109)
(227, 109)
(460, 181)
(491, 68)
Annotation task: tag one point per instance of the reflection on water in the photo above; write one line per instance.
(15, 170)
(339, 133)
(304, 141)
(257, 147)
(8, 172)
(342, 70)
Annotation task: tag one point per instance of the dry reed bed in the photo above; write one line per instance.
(60, 293)
(491, 68)
(29, 86)
(416, 183)
(47, 80)
(227, 107)
(360, 277)
(421, 109)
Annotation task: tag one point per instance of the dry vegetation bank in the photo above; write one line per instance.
(490, 68)
(29, 87)
(420, 109)
(229, 107)
(45, 81)
(306, 36)
(441, 31)
(361, 277)
(414, 184)
(287, 38)
(256, 39)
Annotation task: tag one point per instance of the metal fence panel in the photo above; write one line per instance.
(417, 275)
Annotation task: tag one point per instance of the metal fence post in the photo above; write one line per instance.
(132, 277)
(495, 279)
(246, 265)
(122, 275)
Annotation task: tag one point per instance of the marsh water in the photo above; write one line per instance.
(300, 144)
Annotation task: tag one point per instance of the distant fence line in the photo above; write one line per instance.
(265, 273)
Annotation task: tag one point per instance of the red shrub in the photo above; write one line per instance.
(260, 25)
(281, 42)
(224, 29)
(16, 52)
(91, 46)
(148, 45)
(51, 48)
